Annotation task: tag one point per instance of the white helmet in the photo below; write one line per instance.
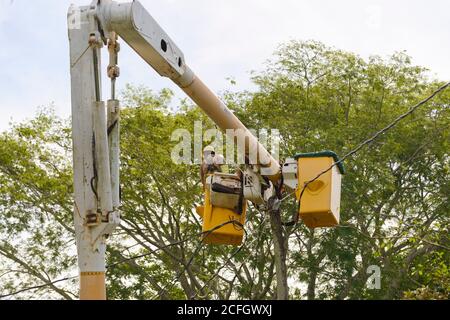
(209, 149)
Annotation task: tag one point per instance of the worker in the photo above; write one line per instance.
(211, 163)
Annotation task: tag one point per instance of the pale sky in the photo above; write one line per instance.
(220, 39)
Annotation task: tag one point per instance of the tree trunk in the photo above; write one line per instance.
(280, 248)
(311, 293)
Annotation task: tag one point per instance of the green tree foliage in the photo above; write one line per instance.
(36, 232)
(395, 208)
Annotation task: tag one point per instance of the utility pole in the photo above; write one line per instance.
(94, 214)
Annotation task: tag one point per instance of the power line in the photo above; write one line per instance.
(37, 287)
(365, 143)
(385, 129)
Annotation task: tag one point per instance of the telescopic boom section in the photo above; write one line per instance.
(138, 28)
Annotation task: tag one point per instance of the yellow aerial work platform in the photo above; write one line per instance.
(320, 203)
(233, 220)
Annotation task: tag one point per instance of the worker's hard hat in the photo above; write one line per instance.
(209, 149)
